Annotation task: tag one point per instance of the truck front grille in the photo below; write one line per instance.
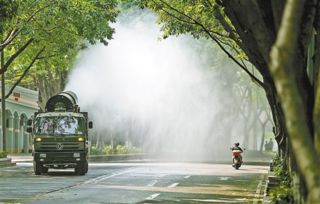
(60, 146)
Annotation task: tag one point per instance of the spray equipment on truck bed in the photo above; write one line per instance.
(64, 101)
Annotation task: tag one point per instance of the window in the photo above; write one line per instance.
(61, 125)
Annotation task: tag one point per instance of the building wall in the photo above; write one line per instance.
(20, 106)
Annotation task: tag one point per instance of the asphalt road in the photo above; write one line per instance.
(134, 183)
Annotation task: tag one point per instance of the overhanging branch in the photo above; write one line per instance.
(254, 78)
(24, 73)
(15, 32)
(188, 22)
(8, 39)
(14, 56)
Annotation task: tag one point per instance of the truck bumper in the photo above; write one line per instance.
(60, 160)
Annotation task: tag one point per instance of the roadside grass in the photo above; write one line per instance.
(109, 150)
(3, 154)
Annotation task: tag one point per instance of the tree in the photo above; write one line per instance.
(32, 30)
(250, 29)
(284, 67)
(53, 31)
(49, 75)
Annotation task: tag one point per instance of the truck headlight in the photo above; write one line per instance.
(76, 154)
(80, 139)
(38, 139)
(43, 155)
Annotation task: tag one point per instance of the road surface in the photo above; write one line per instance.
(134, 183)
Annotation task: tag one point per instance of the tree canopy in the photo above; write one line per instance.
(50, 32)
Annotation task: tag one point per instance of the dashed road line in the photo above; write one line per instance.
(152, 183)
(173, 185)
(225, 178)
(153, 196)
(105, 177)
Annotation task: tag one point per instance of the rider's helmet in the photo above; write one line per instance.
(237, 144)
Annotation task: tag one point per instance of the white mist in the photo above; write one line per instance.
(155, 94)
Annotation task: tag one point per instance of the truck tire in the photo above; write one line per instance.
(80, 169)
(45, 170)
(37, 168)
(86, 167)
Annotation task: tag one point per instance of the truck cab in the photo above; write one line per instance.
(60, 135)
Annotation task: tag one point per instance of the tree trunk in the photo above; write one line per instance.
(316, 67)
(263, 125)
(256, 50)
(282, 67)
(50, 85)
(279, 130)
(254, 136)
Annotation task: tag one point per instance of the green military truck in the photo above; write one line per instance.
(60, 135)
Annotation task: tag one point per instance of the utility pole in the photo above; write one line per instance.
(3, 103)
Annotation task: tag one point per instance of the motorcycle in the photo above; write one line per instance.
(237, 159)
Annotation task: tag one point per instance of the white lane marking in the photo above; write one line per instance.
(186, 177)
(152, 183)
(173, 185)
(105, 177)
(258, 191)
(153, 196)
(224, 178)
(242, 200)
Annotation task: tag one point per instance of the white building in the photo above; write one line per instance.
(20, 106)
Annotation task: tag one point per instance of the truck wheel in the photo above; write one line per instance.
(80, 169)
(45, 170)
(86, 167)
(37, 168)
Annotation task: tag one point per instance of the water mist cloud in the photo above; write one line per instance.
(154, 94)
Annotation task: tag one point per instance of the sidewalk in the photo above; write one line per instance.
(4, 162)
(12, 159)
(23, 157)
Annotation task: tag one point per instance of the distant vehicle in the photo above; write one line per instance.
(60, 135)
(237, 158)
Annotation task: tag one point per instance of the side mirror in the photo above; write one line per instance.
(90, 125)
(29, 129)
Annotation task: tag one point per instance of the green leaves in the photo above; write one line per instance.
(178, 17)
(3, 154)
(62, 27)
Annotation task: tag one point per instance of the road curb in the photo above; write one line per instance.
(5, 162)
(138, 157)
(269, 184)
(259, 195)
(118, 157)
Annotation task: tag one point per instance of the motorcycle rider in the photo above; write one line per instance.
(237, 147)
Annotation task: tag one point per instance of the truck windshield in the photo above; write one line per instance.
(59, 125)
